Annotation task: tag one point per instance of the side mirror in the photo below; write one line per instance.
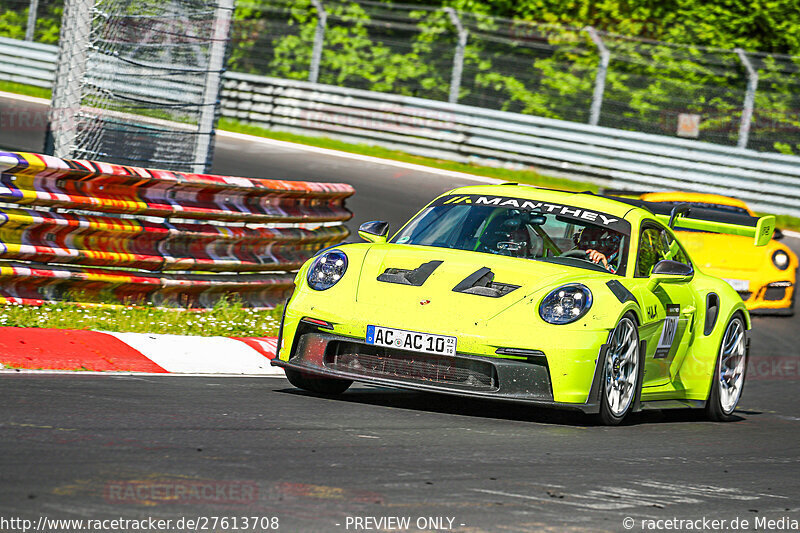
(777, 234)
(374, 231)
(667, 271)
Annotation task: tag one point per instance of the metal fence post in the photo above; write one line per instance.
(600, 78)
(458, 58)
(31, 27)
(749, 98)
(319, 41)
(210, 103)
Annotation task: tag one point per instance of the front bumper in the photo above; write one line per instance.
(329, 355)
(776, 298)
(773, 295)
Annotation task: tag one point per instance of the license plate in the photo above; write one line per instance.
(414, 341)
(739, 285)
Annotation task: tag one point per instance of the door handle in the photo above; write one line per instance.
(688, 310)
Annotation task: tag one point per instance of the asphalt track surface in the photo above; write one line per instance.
(103, 447)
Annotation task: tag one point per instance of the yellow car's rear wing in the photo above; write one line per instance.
(686, 216)
(761, 232)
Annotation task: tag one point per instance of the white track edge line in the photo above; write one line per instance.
(358, 157)
(25, 98)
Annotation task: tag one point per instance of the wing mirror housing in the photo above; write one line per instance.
(667, 271)
(374, 231)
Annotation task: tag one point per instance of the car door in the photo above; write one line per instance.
(668, 309)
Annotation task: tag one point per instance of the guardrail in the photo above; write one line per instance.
(27, 62)
(99, 233)
(607, 156)
(32, 63)
(610, 157)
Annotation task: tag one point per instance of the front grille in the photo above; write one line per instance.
(375, 361)
(745, 295)
(773, 294)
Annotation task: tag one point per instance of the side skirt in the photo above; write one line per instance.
(674, 404)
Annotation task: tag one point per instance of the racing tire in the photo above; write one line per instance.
(318, 384)
(621, 376)
(729, 372)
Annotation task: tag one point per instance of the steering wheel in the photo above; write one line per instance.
(577, 254)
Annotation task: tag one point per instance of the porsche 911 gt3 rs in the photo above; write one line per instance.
(508, 292)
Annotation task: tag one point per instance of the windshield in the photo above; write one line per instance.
(521, 228)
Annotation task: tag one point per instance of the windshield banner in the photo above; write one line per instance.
(577, 214)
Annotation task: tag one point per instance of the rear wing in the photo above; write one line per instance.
(685, 216)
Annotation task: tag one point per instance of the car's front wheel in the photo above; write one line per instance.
(621, 373)
(729, 372)
(317, 384)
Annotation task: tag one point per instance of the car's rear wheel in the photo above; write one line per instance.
(317, 384)
(621, 373)
(729, 372)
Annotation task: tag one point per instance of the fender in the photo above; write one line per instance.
(697, 369)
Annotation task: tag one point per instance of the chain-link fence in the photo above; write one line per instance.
(730, 97)
(32, 20)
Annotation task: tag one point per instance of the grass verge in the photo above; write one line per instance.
(226, 319)
(27, 90)
(786, 222)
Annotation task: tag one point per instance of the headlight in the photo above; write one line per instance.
(780, 259)
(326, 270)
(566, 304)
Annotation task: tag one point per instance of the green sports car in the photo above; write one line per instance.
(510, 292)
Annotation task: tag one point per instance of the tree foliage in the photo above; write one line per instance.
(531, 56)
(668, 58)
(14, 20)
(765, 25)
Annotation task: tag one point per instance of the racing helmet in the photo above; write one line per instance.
(506, 234)
(603, 240)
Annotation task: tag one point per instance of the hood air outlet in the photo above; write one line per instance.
(415, 277)
(480, 283)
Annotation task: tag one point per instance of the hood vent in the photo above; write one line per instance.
(480, 283)
(415, 277)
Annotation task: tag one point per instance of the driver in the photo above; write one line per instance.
(506, 235)
(602, 246)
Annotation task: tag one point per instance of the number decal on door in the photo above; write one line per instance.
(668, 333)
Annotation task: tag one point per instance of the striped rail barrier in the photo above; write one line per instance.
(99, 233)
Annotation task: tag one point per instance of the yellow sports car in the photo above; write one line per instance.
(765, 278)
